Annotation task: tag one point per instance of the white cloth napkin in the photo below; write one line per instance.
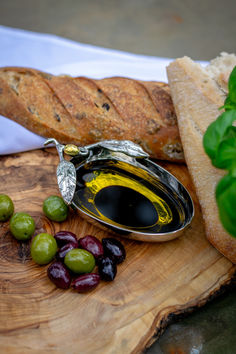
(61, 56)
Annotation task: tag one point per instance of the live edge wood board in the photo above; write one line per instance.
(155, 281)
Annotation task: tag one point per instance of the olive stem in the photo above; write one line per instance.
(59, 147)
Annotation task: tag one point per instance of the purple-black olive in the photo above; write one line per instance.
(64, 249)
(59, 275)
(64, 237)
(85, 282)
(114, 248)
(107, 268)
(91, 244)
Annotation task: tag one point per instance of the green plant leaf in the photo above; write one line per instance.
(228, 104)
(232, 86)
(230, 101)
(231, 133)
(223, 184)
(226, 154)
(219, 142)
(226, 200)
(216, 132)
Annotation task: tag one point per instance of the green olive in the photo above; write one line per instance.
(43, 248)
(79, 261)
(22, 226)
(6, 207)
(55, 208)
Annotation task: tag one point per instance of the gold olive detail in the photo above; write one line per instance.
(71, 150)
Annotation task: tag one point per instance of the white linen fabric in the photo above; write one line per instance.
(62, 56)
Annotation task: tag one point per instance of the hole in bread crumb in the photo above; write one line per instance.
(106, 106)
(15, 89)
(31, 109)
(174, 151)
(14, 81)
(57, 116)
(80, 115)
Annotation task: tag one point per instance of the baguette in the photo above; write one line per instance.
(83, 111)
(197, 95)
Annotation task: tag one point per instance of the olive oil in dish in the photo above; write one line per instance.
(120, 194)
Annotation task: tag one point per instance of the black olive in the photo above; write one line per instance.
(107, 268)
(59, 275)
(92, 245)
(64, 250)
(114, 248)
(85, 282)
(64, 237)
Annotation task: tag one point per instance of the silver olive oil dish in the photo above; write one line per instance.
(114, 185)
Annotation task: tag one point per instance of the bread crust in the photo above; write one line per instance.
(197, 99)
(83, 111)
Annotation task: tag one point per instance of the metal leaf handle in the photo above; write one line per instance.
(126, 146)
(66, 173)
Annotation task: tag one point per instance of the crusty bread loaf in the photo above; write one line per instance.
(220, 68)
(197, 96)
(83, 111)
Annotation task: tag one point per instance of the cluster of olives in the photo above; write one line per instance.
(22, 225)
(75, 258)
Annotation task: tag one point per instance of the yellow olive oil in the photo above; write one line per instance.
(125, 196)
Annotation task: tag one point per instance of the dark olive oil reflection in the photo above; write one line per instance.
(122, 195)
(126, 207)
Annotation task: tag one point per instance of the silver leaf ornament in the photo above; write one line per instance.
(66, 178)
(125, 146)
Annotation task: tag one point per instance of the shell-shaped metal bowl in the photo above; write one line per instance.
(124, 158)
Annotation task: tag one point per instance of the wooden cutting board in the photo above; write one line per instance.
(154, 282)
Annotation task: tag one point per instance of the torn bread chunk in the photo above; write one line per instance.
(197, 94)
(220, 68)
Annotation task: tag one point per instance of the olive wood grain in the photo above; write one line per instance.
(155, 281)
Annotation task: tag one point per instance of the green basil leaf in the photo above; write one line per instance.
(216, 132)
(219, 142)
(226, 154)
(228, 104)
(232, 86)
(226, 201)
(231, 133)
(223, 184)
